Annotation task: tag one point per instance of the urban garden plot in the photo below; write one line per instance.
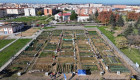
(107, 54)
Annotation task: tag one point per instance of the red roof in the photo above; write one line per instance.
(64, 14)
(83, 15)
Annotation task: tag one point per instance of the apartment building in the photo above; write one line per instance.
(3, 12)
(50, 11)
(119, 6)
(16, 11)
(31, 11)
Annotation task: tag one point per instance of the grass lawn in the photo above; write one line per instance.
(48, 27)
(1, 18)
(31, 18)
(90, 26)
(134, 54)
(108, 34)
(10, 51)
(60, 23)
(5, 42)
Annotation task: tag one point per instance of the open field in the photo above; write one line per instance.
(9, 52)
(29, 32)
(33, 19)
(28, 19)
(4, 42)
(133, 54)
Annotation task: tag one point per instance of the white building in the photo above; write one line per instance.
(15, 11)
(97, 5)
(137, 11)
(94, 10)
(31, 11)
(127, 9)
(65, 16)
(9, 28)
(83, 18)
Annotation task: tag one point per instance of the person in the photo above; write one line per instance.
(59, 74)
(73, 74)
(52, 74)
(53, 57)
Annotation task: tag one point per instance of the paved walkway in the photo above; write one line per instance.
(69, 27)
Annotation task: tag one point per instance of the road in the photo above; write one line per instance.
(69, 27)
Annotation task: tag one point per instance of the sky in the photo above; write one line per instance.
(73, 1)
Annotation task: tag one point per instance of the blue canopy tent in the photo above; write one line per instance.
(81, 72)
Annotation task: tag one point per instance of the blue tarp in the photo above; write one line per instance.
(81, 72)
(65, 76)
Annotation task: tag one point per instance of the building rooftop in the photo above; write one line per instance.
(9, 24)
(64, 14)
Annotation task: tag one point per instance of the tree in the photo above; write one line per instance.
(96, 14)
(112, 21)
(91, 17)
(134, 39)
(39, 13)
(104, 16)
(61, 16)
(137, 24)
(129, 30)
(120, 21)
(139, 31)
(132, 16)
(121, 42)
(73, 15)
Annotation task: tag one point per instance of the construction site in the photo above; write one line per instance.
(66, 51)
